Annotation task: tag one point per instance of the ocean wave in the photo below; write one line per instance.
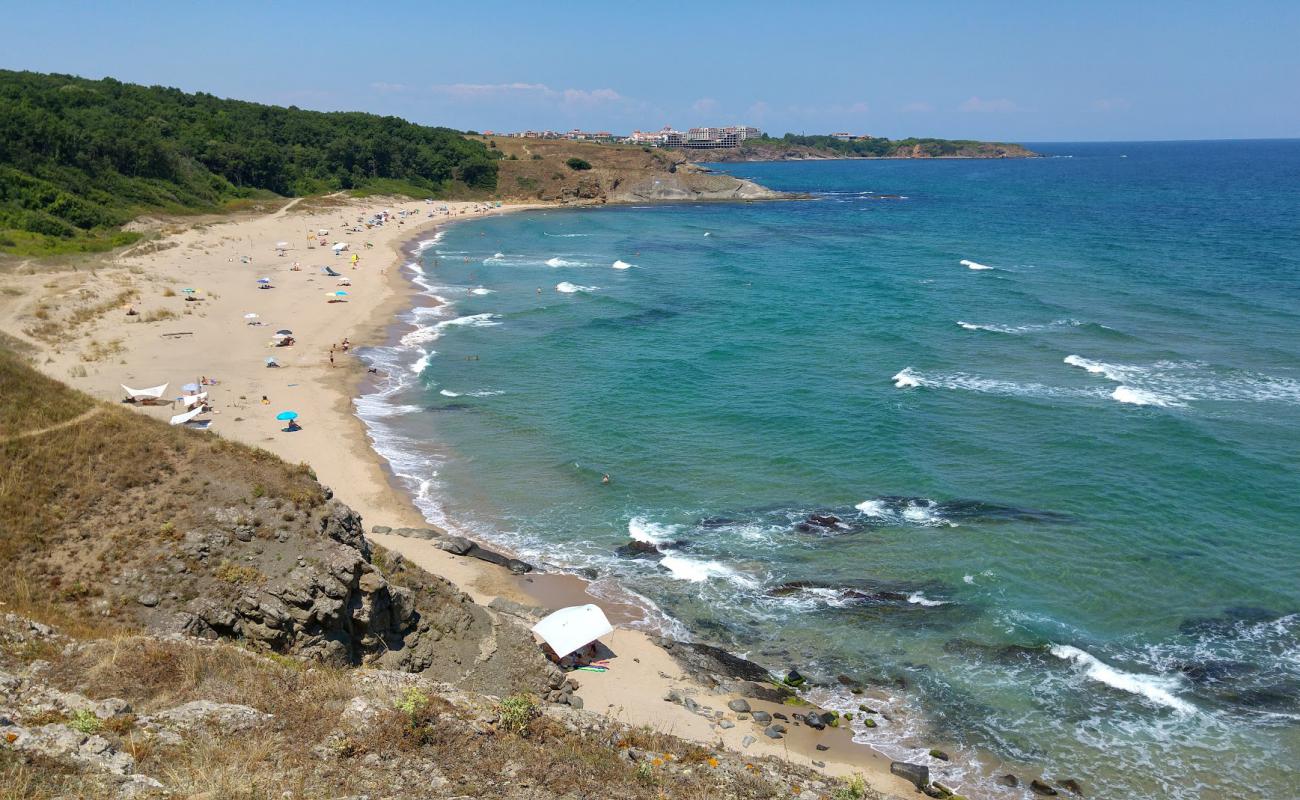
(479, 290)
(911, 379)
(620, 264)
(565, 235)
(642, 530)
(571, 288)
(1156, 689)
(1017, 330)
(906, 379)
(699, 570)
(427, 243)
(921, 600)
(422, 362)
(1143, 397)
(968, 264)
(424, 334)
(914, 511)
(564, 262)
(448, 393)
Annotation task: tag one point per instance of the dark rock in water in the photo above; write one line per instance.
(1038, 787)
(1231, 621)
(1008, 780)
(639, 549)
(939, 754)
(712, 665)
(1003, 654)
(762, 716)
(863, 596)
(450, 407)
(916, 773)
(820, 523)
(1072, 786)
(715, 522)
(793, 678)
(590, 573)
(1208, 672)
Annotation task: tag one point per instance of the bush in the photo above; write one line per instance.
(517, 713)
(578, 164)
(84, 720)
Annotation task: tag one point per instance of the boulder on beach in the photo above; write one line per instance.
(917, 774)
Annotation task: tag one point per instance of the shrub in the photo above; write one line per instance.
(517, 713)
(578, 164)
(412, 703)
(84, 720)
(536, 157)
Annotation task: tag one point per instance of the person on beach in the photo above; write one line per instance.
(265, 401)
(293, 426)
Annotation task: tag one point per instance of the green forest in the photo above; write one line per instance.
(79, 157)
(879, 147)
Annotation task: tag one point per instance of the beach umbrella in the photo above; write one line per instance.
(572, 628)
(263, 280)
(281, 245)
(188, 291)
(285, 416)
(250, 315)
(271, 362)
(190, 388)
(284, 332)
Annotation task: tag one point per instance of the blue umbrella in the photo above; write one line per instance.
(190, 387)
(263, 280)
(286, 415)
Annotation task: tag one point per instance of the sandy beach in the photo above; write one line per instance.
(178, 341)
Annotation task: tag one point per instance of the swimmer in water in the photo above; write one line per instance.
(604, 479)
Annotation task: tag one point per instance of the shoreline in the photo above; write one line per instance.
(175, 341)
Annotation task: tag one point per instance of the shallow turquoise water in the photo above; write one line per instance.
(1067, 483)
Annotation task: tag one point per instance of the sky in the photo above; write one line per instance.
(1052, 70)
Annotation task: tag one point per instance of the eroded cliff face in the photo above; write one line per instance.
(688, 183)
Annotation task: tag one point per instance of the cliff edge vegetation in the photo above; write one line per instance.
(79, 158)
(792, 147)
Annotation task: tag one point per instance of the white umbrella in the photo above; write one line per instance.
(281, 245)
(339, 247)
(572, 628)
(250, 315)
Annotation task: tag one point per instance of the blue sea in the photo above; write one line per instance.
(1015, 443)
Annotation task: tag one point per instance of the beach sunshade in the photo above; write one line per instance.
(190, 388)
(271, 362)
(340, 293)
(153, 392)
(285, 416)
(191, 399)
(281, 245)
(187, 416)
(284, 332)
(572, 628)
(250, 316)
(188, 291)
(263, 280)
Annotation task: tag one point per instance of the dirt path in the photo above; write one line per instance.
(67, 423)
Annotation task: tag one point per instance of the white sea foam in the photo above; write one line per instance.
(906, 379)
(921, 600)
(486, 393)
(479, 290)
(427, 243)
(564, 262)
(1143, 397)
(970, 579)
(565, 235)
(1154, 688)
(422, 362)
(448, 393)
(973, 264)
(570, 288)
(642, 530)
(620, 264)
(698, 571)
(707, 233)
(1017, 330)
(872, 508)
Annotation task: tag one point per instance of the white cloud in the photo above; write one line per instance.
(1110, 104)
(567, 97)
(917, 107)
(982, 106)
(704, 105)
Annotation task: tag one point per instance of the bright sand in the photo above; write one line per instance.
(217, 342)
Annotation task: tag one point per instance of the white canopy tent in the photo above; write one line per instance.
(181, 419)
(572, 628)
(281, 245)
(339, 247)
(152, 393)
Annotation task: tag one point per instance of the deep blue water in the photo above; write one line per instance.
(1068, 483)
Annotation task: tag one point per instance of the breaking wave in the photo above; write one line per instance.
(1153, 688)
